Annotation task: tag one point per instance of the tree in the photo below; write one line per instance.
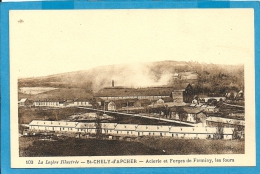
(219, 131)
(98, 127)
(238, 131)
(94, 103)
(182, 113)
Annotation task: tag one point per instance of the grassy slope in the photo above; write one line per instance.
(61, 93)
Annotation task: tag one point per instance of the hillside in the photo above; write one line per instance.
(206, 78)
(131, 75)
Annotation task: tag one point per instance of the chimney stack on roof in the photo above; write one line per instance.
(113, 83)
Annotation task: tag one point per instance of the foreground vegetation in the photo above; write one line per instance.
(194, 146)
(31, 146)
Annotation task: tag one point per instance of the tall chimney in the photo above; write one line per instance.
(113, 83)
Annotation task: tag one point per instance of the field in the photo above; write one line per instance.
(56, 93)
(35, 90)
(30, 146)
(26, 115)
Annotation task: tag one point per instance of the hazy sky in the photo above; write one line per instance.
(49, 42)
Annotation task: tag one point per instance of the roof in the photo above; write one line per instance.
(108, 125)
(152, 128)
(23, 100)
(180, 86)
(192, 110)
(226, 120)
(49, 100)
(81, 100)
(118, 92)
(86, 126)
(130, 127)
(148, 91)
(211, 107)
(53, 123)
(195, 130)
(167, 99)
(69, 100)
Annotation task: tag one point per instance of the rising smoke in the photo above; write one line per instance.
(130, 75)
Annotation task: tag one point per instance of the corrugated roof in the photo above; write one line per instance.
(118, 92)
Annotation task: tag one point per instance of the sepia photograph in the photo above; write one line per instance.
(132, 88)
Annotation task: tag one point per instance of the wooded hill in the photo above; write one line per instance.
(213, 79)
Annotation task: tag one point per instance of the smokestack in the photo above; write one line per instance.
(113, 83)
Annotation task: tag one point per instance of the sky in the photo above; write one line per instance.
(50, 42)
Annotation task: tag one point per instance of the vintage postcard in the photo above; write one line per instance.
(132, 88)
